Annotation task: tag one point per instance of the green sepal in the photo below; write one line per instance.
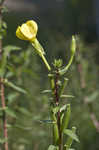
(38, 48)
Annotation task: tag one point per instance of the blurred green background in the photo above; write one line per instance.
(57, 21)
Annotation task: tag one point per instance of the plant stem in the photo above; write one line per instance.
(58, 113)
(4, 118)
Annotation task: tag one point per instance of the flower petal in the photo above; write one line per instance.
(19, 34)
(32, 25)
(26, 32)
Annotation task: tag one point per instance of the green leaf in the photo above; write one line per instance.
(63, 86)
(23, 128)
(66, 96)
(10, 84)
(68, 148)
(46, 91)
(9, 48)
(25, 111)
(47, 121)
(11, 113)
(3, 63)
(55, 128)
(66, 117)
(55, 109)
(71, 134)
(4, 108)
(9, 126)
(92, 97)
(2, 141)
(52, 147)
(63, 108)
(12, 97)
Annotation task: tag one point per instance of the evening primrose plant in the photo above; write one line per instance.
(59, 113)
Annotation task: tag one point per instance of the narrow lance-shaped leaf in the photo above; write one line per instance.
(46, 91)
(11, 113)
(12, 97)
(52, 83)
(55, 129)
(72, 136)
(6, 53)
(63, 86)
(47, 121)
(10, 84)
(66, 118)
(73, 48)
(92, 97)
(67, 96)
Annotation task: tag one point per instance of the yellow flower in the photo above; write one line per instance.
(27, 31)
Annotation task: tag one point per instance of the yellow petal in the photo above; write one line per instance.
(32, 25)
(26, 32)
(19, 34)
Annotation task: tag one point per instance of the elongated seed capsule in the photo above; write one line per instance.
(66, 118)
(55, 129)
(73, 49)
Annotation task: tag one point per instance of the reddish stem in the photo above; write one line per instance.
(4, 114)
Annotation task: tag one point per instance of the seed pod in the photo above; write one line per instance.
(66, 118)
